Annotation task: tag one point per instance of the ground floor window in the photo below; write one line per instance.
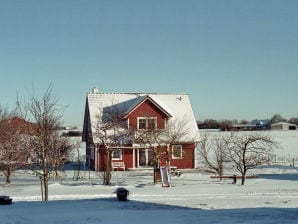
(177, 151)
(117, 154)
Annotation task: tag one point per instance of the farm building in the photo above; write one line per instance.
(18, 124)
(132, 127)
(283, 126)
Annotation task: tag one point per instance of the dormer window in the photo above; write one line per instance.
(147, 123)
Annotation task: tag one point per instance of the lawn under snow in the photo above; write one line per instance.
(193, 198)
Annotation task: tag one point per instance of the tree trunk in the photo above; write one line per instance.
(220, 172)
(107, 175)
(155, 173)
(168, 159)
(41, 188)
(44, 178)
(156, 170)
(46, 188)
(8, 175)
(243, 178)
(57, 172)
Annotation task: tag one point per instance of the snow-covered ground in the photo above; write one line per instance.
(193, 198)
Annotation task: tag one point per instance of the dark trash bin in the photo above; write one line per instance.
(5, 200)
(122, 193)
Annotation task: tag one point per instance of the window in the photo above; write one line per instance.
(147, 123)
(151, 123)
(142, 123)
(117, 154)
(177, 151)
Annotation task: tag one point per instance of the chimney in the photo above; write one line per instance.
(94, 90)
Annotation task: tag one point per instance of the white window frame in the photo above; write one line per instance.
(138, 120)
(177, 147)
(147, 122)
(117, 158)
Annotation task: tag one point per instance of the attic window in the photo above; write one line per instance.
(147, 123)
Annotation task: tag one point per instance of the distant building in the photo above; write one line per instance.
(262, 124)
(19, 124)
(283, 126)
(243, 127)
(253, 125)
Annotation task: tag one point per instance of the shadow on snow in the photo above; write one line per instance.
(112, 211)
(291, 177)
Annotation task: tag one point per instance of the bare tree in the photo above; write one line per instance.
(110, 131)
(79, 158)
(213, 153)
(4, 113)
(12, 156)
(61, 151)
(160, 140)
(152, 139)
(293, 120)
(249, 151)
(44, 150)
(13, 131)
(277, 118)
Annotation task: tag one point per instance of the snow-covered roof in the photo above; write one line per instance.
(176, 106)
(284, 125)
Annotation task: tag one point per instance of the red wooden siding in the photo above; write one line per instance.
(147, 109)
(127, 158)
(187, 160)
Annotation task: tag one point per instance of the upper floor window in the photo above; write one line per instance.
(177, 151)
(147, 123)
(142, 123)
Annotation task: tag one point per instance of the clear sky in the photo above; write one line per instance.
(237, 59)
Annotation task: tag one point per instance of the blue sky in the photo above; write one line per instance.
(236, 59)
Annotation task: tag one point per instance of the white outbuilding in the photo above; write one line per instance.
(283, 126)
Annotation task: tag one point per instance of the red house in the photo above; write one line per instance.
(133, 126)
(17, 124)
